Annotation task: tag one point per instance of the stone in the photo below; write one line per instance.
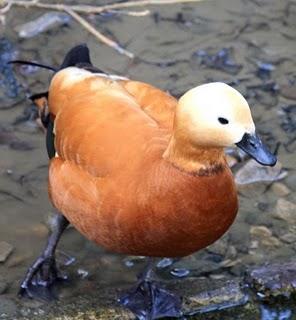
(264, 237)
(254, 172)
(273, 280)
(289, 237)
(5, 250)
(45, 22)
(225, 296)
(219, 247)
(280, 189)
(285, 210)
(232, 161)
(260, 231)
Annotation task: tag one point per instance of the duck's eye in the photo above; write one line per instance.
(223, 120)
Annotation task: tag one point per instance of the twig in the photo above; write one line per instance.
(131, 13)
(73, 9)
(94, 9)
(98, 34)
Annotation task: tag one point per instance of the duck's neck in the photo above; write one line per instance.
(194, 159)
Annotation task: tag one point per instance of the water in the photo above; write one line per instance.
(260, 35)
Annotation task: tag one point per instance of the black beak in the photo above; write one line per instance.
(254, 147)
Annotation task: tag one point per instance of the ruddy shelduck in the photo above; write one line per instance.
(139, 172)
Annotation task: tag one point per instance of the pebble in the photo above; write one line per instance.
(229, 295)
(5, 250)
(232, 161)
(280, 189)
(164, 263)
(289, 237)
(254, 172)
(180, 272)
(264, 236)
(230, 263)
(273, 280)
(43, 23)
(82, 273)
(285, 210)
(219, 247)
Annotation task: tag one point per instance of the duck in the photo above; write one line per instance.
(139, 172)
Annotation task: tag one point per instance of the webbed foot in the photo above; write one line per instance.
(148, 301)
(39, 282)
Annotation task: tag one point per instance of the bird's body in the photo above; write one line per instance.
(139, 172)
(110, 177)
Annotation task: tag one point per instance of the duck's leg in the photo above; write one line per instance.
(148, 301)
(41, 276)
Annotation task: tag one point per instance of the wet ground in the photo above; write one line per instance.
(248, 44)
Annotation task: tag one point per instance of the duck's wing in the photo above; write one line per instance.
(102, 127)
(159, 105)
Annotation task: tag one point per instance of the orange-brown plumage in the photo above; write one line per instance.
(125, 178)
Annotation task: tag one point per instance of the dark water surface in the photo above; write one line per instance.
(248, 44)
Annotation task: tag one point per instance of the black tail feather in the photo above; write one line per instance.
(31, 63)
(77, 55)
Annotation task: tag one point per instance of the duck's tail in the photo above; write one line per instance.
(78, 56)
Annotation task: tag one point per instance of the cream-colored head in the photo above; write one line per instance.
(213, 115)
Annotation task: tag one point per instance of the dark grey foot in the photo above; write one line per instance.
(39, 282)
(41, 279)
(148, 301)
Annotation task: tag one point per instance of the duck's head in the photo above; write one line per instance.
(216, 115)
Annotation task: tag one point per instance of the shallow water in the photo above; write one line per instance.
(171, 44)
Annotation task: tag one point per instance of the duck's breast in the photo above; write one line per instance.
(172, 213)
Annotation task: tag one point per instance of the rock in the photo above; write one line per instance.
(289, 237)
(219, 247)
(230, 263)
(251, 191)
(83, 274)
(273, 280)
(285, 210)
(280, 189)
(260, 231)
(43, 23)
(5, 250)
(232, 161)
(264, 236)
(229, 295)
(197, 266)
(164, 263)
(180, 272)
(254, 172)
